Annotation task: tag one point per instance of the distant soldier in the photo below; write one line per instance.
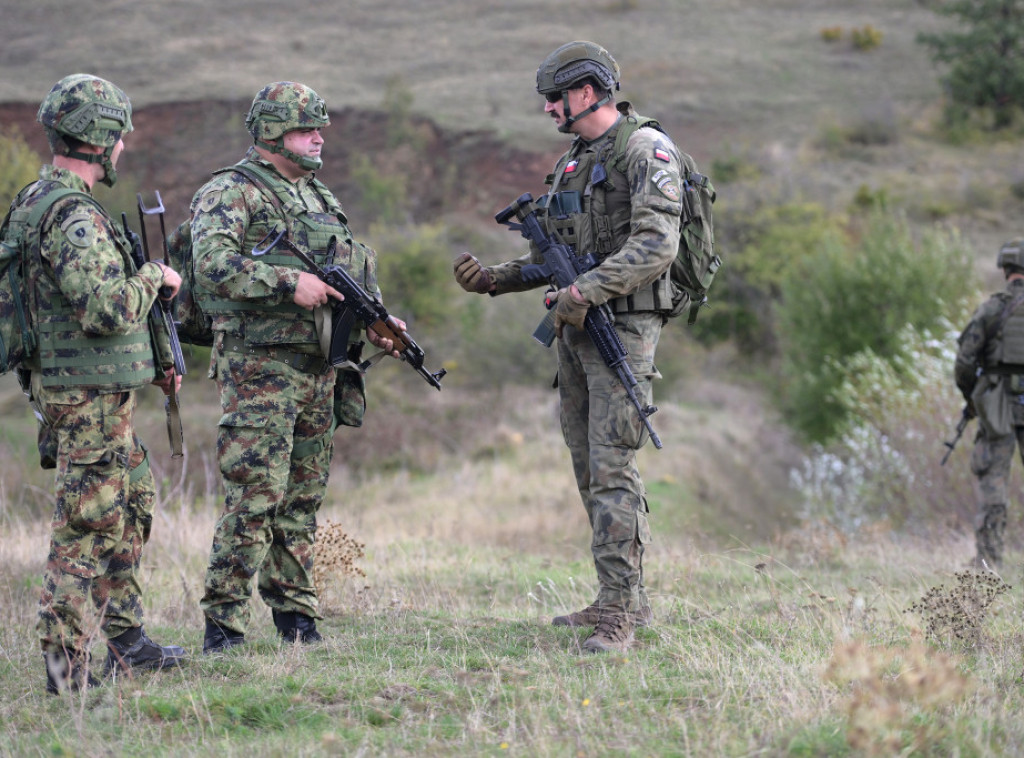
(90, 306)
(990, 365)
(625, 209)
(280, 398)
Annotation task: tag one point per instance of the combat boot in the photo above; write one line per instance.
(614, 632)
(135, 650)
(296, 627)
(217, 639)
(590, 615)
(67, 671)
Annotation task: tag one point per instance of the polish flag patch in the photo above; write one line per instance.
(571, 166)
(661, 155)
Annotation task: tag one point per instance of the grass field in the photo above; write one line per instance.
(801, 643)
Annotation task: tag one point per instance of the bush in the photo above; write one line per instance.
(859, 293)
(866, 38)
(19, 165)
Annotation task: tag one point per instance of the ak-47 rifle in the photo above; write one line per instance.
(560, 268)
(358, 305)
(163, 320)
(965, 417)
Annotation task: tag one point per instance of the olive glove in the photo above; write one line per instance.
(569, 310)
(471, 276)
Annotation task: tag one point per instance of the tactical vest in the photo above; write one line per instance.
(68, 358)
(1006, 345)
(588, 207)
(310, 231)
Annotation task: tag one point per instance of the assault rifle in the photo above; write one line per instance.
(560, 268)
(164, 321)
(357, 305)
(966, 416)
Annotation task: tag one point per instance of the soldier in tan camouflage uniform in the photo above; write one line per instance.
(628, 213)
(280, 399)
(90, 306)
(991, 358)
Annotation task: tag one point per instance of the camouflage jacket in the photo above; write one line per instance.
(84, 287)
(229, 214)
(631, 220)
(978, 343)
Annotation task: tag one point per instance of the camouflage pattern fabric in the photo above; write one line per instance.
(104, 490)
(271, 497)
(103, 517)
(992, 456)
(274, 441)
(633, 224)
(85, 288)
(603, 432)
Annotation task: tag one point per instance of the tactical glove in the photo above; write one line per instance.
(568, 310)
(471, 276)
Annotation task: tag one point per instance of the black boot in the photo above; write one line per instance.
(135, 650)
(67, 671)
(218, 638)
(296, 627)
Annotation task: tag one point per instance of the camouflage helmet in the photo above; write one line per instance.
(575, 61)
(1011, 255)
(88, 109)
(281, 107)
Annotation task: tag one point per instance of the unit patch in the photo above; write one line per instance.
(667, 184)
(661, 155)
(80, 230)
(571, 166)
(210, 200)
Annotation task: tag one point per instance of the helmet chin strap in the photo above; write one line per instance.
(109, 173)
(302, 161)
(570, 119)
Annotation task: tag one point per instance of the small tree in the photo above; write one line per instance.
(985, 57)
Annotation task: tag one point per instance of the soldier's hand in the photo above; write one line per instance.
(570, 308)
(171, 282)
(970, 410)
(165, 383)
(384, 342)
(311, 292)
(471, 276)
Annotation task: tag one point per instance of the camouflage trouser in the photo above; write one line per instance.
(603, 432)
(990, 462)
(103, 517)
(274, 446)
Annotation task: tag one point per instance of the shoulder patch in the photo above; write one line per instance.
(667, 184)
(79, 229)
(210, 199)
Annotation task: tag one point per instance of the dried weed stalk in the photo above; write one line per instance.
(336, 556)
(958, 613)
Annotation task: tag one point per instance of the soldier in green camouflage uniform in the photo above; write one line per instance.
(95, 349)
(628, 213)
(280, 398)
(991, 357)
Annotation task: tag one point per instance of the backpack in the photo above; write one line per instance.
(18, 231)
(193, 325)
(696, 261)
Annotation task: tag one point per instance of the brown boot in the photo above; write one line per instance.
(590, 615)
(614, 633)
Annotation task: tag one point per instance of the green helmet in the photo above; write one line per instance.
(1011, 254)
(568, 66)
(281, 107)
(91, 110)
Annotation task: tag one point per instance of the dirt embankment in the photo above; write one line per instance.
(175, 146)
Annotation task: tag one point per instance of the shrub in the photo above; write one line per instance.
(866, 38)
(19, 165)
(832, 33)
(859, 293)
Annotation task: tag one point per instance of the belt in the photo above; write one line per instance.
(305, 362)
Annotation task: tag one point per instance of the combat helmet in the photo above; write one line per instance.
(568, 66)
(89, 109)
(281, 107)
(1011, 256)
